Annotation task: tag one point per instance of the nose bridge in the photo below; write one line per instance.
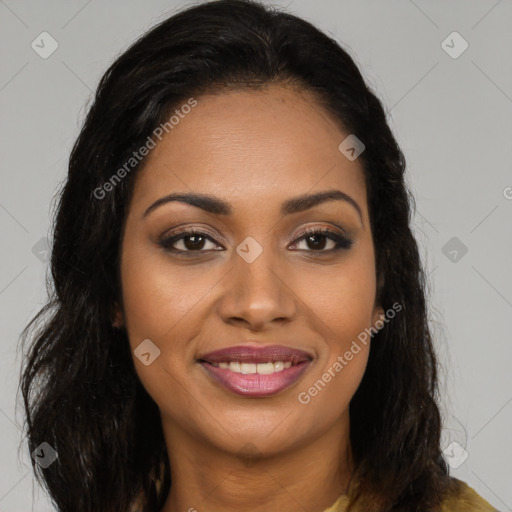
(256, 291)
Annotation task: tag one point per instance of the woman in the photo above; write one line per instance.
(239, 318)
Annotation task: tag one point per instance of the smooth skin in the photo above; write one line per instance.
(254, 150)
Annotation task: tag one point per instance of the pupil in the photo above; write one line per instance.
(196, 244)
(317, 245)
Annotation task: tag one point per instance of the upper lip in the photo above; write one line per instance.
(257, 354)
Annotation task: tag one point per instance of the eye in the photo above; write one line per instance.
(189, 240)
(323, 240)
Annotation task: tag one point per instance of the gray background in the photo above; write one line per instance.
(450, 115)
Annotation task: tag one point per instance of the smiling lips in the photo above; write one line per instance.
(256, 371)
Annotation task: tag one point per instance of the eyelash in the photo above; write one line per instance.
(341, 242)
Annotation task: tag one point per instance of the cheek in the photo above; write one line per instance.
(157, 296)
(346, 319)
(343, 305)
(167, 305)
(155, 304)
(342, 299)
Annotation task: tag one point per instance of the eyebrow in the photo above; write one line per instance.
(218, 206)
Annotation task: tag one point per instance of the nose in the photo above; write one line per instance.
(258, 294)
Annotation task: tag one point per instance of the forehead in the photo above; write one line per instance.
(251, 145)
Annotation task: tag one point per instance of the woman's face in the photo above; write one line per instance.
(249, 277)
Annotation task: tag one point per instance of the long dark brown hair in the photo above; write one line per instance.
(80, 390)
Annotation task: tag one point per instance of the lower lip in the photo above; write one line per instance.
(254, 384)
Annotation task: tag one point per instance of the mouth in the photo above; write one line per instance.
(256, 371)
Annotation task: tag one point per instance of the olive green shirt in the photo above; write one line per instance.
(466, 500)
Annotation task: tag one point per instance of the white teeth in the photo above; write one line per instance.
(248, 368)
(234, 366)
(265, 368)
(279, 366)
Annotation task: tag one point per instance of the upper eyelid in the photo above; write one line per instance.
(189, 230)
(325, 232)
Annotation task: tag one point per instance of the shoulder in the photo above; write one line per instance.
(462, 498)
